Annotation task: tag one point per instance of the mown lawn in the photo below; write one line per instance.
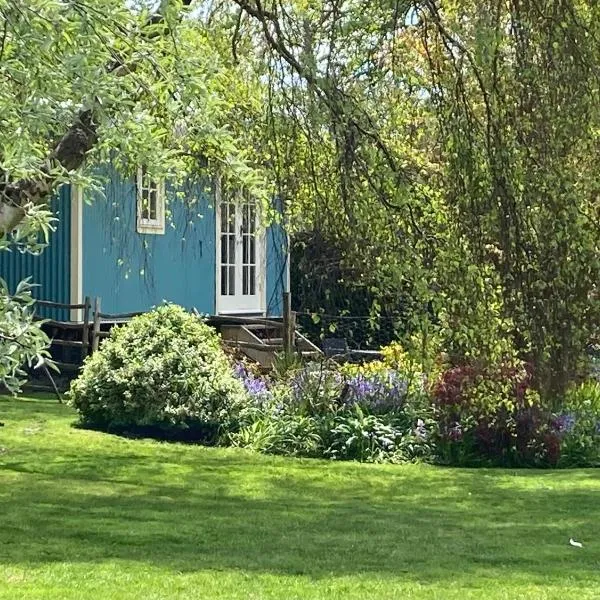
(89, 515)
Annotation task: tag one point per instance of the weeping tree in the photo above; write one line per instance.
(347, 136)
(516, 93)
(453, 147)
(85, 82)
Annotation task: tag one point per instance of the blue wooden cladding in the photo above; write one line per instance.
(105, 256)
(132, 272)
(276, 267)
(51, 269)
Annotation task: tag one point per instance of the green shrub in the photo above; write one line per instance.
(163, 373)
(286, 434)
(356, 435)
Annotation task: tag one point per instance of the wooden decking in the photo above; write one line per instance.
(262, 339)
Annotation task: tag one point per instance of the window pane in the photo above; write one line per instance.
(245, 249)
(231, 210)
(232, 281)
(252, 258)
(153, 204)
(244, 217)
(224, 217)
(223, 281)
(223, 249)
(252, 217)
(144, 208)
(252, 281)
(245, 281)
(231, 253)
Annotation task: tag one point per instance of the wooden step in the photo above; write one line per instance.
(253, 346)
(263, 327)
(250, 338)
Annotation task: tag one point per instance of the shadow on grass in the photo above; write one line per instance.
(189, 508)
(195, 433)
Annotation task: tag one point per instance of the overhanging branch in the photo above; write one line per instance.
(67, 155)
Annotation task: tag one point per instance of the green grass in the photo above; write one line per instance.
(94, 516)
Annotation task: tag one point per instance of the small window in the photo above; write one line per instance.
(150, 203)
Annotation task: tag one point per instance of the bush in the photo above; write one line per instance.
(492, 416)
(357, 435)
(282, 433)
(164, 373)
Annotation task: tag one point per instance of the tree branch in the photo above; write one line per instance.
(68, 154)
(336, 100)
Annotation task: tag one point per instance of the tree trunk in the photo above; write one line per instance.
(68, 155)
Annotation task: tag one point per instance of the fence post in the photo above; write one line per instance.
(96, 328)
(289, 324)
(85, 333)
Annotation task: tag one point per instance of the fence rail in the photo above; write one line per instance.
(66, 305)
(359, 332)
(342, 337)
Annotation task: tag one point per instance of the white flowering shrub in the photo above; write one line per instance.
(164, 372)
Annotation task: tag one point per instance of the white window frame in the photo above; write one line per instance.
(157, 225)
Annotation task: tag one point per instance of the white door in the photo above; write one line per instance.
(241, 258)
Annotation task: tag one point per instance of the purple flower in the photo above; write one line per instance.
(563, 424)
(239, 370)
(255, 386)
(319, 385)
(299, 384)
(379, 391)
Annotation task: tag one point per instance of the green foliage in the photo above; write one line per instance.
(161, 85)
(316, 389)
(496, 417)
(22, 342)
(286, 434)
(579, 426)
(165, 372)
(357, 435)
(320, 411)
(426, 148)
(520, 175)
(284, 364)
(492, 416)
